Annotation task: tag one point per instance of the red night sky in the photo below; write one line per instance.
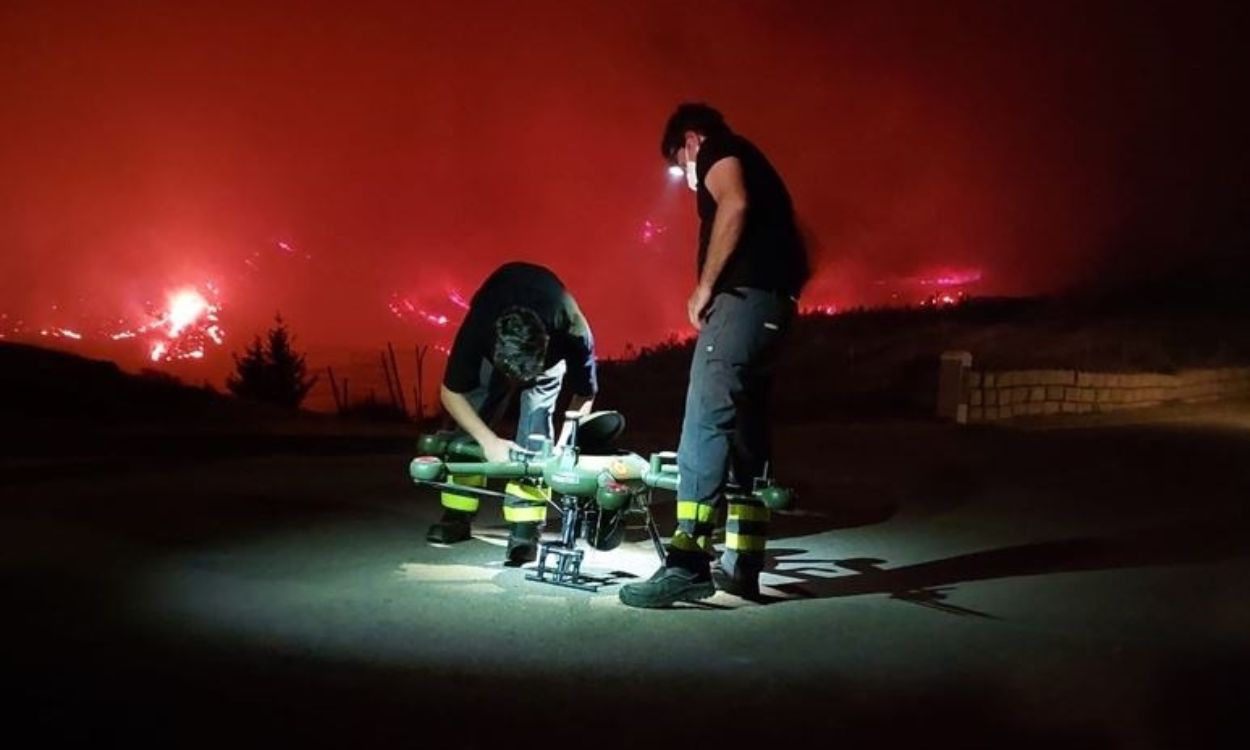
(327, 159)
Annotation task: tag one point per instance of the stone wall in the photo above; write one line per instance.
(969, 395)
(1002, 395)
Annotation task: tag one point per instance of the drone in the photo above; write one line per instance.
(594, 487)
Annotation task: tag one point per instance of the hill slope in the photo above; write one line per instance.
(883, 363)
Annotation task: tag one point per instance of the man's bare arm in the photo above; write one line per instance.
(495, 447)
(724, 181)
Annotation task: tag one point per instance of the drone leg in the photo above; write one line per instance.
(540, 572)
(569, 516)
(568, 564)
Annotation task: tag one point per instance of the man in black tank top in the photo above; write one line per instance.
(751, 267)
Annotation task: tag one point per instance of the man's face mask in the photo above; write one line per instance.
(688, 156)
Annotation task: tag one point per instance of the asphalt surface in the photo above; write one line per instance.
(1082, 586)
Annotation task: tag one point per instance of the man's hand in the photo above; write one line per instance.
(498, 449)
(697, 305)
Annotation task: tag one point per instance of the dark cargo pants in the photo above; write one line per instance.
(725, 432)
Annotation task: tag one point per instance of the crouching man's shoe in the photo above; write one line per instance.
(454, 527)
(523, 543)
(667, 587)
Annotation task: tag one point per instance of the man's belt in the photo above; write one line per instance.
(737, 291)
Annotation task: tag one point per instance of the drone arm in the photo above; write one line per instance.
(661, 481)
(496, 469)
(433, 470)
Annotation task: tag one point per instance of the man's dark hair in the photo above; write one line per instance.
(520, 343)
(695, 116)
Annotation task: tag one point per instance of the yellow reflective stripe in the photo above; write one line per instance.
(686, 543)
(688, 510)
(460, 502)
(525, 513)
(744, 542)
(464, 503)
(739, 512)
(528, 492)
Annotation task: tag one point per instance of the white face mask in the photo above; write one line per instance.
(692, 177)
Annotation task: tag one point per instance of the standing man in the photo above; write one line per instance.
(752, 266)
(523, 332)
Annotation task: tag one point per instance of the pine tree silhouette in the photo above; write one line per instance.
(271, 371)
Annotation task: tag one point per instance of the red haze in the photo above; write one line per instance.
(398, 149)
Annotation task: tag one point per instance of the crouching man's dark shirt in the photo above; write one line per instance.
(534, 287)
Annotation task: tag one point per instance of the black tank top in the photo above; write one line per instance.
(770, 254)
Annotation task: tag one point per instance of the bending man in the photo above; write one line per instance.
(523, 332)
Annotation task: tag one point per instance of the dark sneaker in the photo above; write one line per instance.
(743, 584)
(454, 527)
(668, 586)
(522, 543)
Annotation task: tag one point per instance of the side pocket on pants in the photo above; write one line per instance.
(749, 327)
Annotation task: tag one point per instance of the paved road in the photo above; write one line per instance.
(1084, 586)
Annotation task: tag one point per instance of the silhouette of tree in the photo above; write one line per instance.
(271, 371)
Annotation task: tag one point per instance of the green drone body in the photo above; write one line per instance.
(611, 480)
(593, 486)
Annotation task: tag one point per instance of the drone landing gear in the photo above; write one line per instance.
(560, 562)
(566, 569)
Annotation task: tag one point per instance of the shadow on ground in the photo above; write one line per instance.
(929, 583)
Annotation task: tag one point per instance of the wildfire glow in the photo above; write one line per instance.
(416, 314)
(651, 231)
(185, 307)
(944, 299)
(409, 312)
(61, 333)
(187, 325)
(190, 324)
(953, 278)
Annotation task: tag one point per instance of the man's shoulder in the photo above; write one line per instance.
(722, 146)
(509, 277)
(574, 319)
(715, 147)
(523, 269)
